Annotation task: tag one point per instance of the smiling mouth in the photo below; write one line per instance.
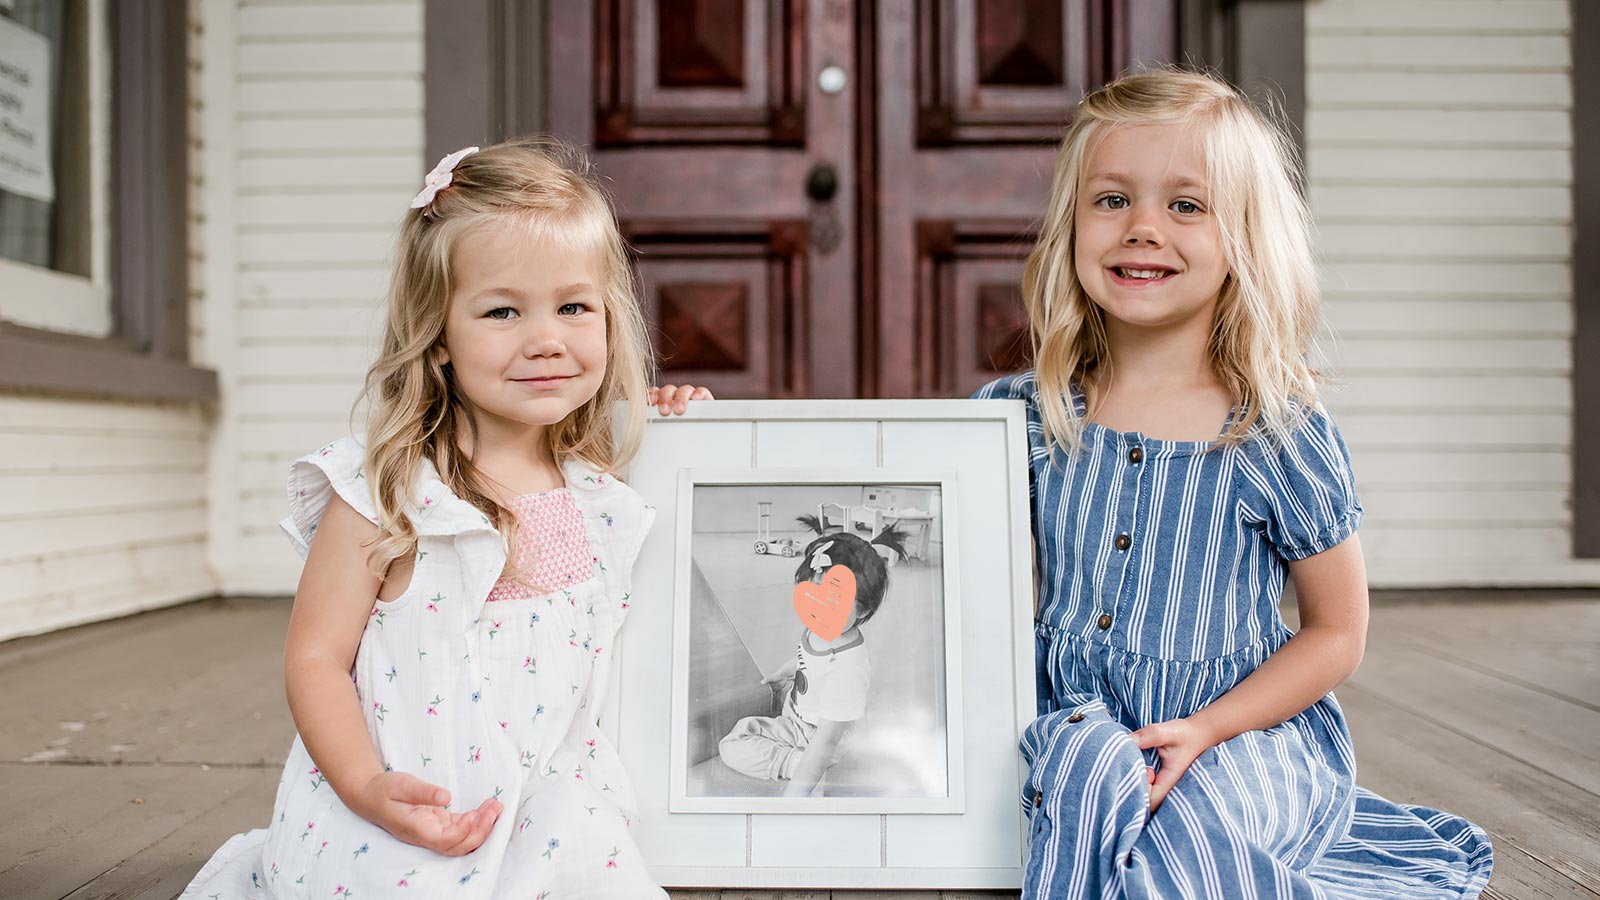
(1132, 275)
(544, 381)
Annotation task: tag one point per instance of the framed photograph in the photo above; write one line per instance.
(788, 700)
(829, 657)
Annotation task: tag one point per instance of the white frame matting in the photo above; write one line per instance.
(983, 445)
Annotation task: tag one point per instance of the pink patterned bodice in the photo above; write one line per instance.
(549, 531)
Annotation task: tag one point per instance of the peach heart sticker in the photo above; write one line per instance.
(825, 608)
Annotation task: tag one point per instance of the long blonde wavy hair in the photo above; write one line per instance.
(1268, 308)
(417, 410)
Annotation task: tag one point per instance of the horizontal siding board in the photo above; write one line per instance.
(390, 57)
(101, 530)
(1429, 204)
(1383, 391)
(1456, 279)
(1546, 508)
(324, 95)
(1374, 314)
(348, 362)
(370, 210)
(333, 22)
(1424, 52)
(1439, 90)
(67, 452)
(1438, 16)
(79, 416)
(1435, 127)
(362, 286)
(294, 400)
(1458, 468)
(1459, 244)
(68, 493)
(46, 612)
(326, 246)
(1397, 354)
(70, 572)
(335, 132)
(360, 323)
(1487, 166)
(374, 170)
(1501, 429)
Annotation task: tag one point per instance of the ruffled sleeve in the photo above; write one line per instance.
(618, 522)
(315, 478)
(1303, 491)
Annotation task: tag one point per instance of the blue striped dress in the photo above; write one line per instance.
(1161, 566)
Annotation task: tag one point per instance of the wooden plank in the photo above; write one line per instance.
(1443, 127)
(1435, 90)
(368, 246)
(1450, 278)
(399, 172)
(61, 493)
(1420, 166)
(1462, 547)
(397, 94)
(294, 399)
(322, 208)
(1400, 752)
(1439, 16)
(330, 21)
(67, 452)
(102, 530)
(1503, 429)
(47, 612)
(1416, 467)
(398, 57)
(1377, 391)
(357, 321)
(111, 717)
(1453, 52)
(1487, 508)
(1515, 641)
(1467, 242)
(19, 411)
(163, 869)
(1552, 734)
(388, 132)
(1417, 354)
(71, 572)
(1488, 204)
(84, 820)
(298, 288)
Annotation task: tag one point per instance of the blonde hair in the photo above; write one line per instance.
(417, 409)
(1268, 307)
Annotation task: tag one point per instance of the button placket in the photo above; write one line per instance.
(1132, 450)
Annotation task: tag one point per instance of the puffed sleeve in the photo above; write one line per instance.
(1303, 491)
(1010, 387)
(315, 478)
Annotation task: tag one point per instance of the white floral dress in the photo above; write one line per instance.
(480, 686)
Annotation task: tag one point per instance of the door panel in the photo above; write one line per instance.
(705, 119)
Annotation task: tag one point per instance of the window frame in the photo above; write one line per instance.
(145, 357)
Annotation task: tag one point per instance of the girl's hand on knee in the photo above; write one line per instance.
(674, 398)
(414, 811)
(1179, 742)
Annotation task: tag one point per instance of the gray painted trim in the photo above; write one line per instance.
(483, 72)
(49, 362)
(1259, 45)
(1586, 280)
(145, 359)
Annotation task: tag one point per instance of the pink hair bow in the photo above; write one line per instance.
(440, 177)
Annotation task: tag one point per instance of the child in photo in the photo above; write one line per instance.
(1181, 469)
(825, 684)
(468, 565)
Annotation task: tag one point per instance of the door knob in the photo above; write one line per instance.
(822, 182)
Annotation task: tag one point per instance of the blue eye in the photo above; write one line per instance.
(495, 313)
(1185, 207)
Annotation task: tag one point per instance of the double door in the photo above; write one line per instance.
(832, 198)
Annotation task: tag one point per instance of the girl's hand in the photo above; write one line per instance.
(413, 811)
(1179, 742)
(674, 398)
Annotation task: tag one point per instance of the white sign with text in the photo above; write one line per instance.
(25, 113)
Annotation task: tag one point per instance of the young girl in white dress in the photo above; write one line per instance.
(468, 565)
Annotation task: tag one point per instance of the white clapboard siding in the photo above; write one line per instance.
(326, 136)
(1439, 157)
(102, 510)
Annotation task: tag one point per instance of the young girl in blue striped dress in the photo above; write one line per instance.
(1187, 744)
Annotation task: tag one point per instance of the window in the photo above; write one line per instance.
(94, 200)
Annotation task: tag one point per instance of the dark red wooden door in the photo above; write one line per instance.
(833, 198)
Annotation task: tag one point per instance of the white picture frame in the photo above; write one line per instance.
(976, 450)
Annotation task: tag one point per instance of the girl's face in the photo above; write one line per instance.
(526, 331)
(1147, 248)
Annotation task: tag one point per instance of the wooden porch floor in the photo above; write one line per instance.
(131, 749)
